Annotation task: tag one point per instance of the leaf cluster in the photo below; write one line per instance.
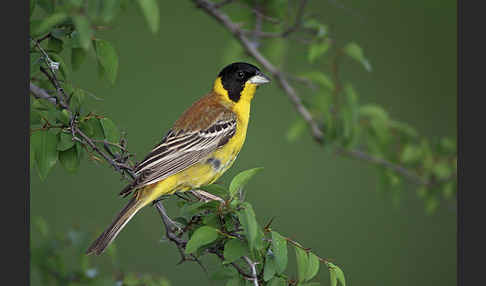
(230, 230)
(59, 259)
(63, 35)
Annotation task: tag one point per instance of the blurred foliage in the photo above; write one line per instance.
(60, 259)
(348, 125)
(64, 33)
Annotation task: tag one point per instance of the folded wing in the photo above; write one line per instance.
(180, 149)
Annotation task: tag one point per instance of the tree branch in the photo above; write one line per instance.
(40, 93)
(253, 270)
(76, 131)
(315, 128)
(255, 53)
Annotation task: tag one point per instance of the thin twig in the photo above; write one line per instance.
(255, 53)
(40, 93)
(256, 11)
(53, 66)
(253, 270)
(294, 28)
(258, 27)
(315, 128)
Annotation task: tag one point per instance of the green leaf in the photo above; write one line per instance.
(41, 225)
(260, 240)
(448, 145)
(279, 247)
(269, 268)
(224, 272)
(350, 113)
(77, 99)
(295, 130)
(233, 250)
(45, 150)
(379, 121)
(310, 284)
(336, 274)
(411, 153)
(35, 63)
(431, 204)
(83, 28)
(107, 59)
(112, 134)
(202, 236)
(332, 276)
(211, 220)
(302, 263)
(404, 129)
(79, 150)
(442, 170)
(69, 159)
(109, 10)
(317, 50)
(63, 116)
(277, 281)
(373, 111)
(55, 45)
(47, 5)
(449, 190)
(92, 127)
(150, 9)
(237, 281)
(130, 279)
(65, 141)
(191, 209)
(77, 57)
(355, 52)
(313, 266)
(240, 180)
(250, 225)
(319, 78)
(43, 26)
(35, 117)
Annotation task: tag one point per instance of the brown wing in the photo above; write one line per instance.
(204, 127)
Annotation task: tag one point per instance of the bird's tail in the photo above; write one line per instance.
(123, 217)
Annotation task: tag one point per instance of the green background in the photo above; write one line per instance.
(329, 203)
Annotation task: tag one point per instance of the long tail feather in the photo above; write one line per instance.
(123, 217)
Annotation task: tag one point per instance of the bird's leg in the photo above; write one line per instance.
(183, 195)
(171, 226)
(205, 196)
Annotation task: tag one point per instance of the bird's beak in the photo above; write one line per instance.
(259, 79)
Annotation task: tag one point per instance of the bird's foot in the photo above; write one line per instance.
(170, 225)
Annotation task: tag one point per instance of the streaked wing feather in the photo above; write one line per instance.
(180, 150)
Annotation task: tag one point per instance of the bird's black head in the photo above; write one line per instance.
(236, 75)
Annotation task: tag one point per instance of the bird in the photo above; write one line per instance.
(201, 145)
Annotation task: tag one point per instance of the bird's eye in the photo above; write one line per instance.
(241, 74)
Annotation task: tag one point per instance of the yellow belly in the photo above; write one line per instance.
(204, 172)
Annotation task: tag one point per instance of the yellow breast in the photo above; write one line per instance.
(214, 165)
